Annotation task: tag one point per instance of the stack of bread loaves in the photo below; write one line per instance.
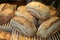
(26, 19)
(49, 22)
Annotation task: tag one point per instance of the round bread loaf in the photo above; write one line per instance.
(26, 27)
(49, 27)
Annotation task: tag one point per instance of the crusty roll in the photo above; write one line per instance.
(26, 27)
(49, 27)
(5, 16)
(21, 11)
(38, 10)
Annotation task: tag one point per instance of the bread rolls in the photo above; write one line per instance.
(21, 11)
(38, 10)
(26, 27)
(49, 27)
(5, 16)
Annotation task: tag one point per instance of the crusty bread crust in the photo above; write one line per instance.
(21, 11)
(26, 27)
(39, 10)
(49, 27)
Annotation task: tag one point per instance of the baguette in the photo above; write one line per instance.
(49, 27)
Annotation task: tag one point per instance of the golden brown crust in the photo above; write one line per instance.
(5, 35)
(39, 9)
(21, 11)
(23, 21)
(53, 11)
(11, 6)
(26, 27)
(47, 23)
(2, 6)
(6, 15)
(49, 27)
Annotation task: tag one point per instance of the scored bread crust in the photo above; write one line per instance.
(49, 27)
(26, 27)
(39, 10)
(21, 11)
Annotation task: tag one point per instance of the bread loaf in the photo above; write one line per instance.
(21, 11)
(26, 27)
(5, 16)
(38, 10)
(49, 27)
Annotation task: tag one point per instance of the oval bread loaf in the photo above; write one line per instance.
(49, 27)
(38, 10)
(26, 27)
